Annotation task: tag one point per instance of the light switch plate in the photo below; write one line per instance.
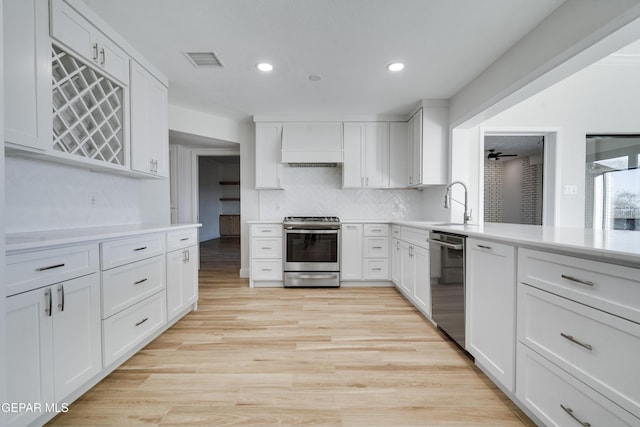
(570, 189)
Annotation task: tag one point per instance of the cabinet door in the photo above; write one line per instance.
(27, 79)
(353, 173)
(77, 336)
(190, 276)
(396, 272)
(72, 29)
(149, 131)
(376, 155)
(422, 285)
(398, 155)
(351, 252)
(407, 269)
(182, 280)
(490, 308)
(29, 352)
(268, 155)
(111, 58)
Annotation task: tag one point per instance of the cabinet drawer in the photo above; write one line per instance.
(415, 236)
(376, 230)
(266, 248)
(543, 387)
(376, 269)
(395, 231)
(376, 247)
(612, 288)
(124, 251)
(266, 269)
(180, 239)
(32, 270)
(125, 330)
(599, 349)
(126, 285)
(266, 230)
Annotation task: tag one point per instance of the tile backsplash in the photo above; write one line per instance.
(47, 196)
(317, 191)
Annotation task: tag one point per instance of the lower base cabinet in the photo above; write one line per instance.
(54, 343)
(182, 280)
(413, 274)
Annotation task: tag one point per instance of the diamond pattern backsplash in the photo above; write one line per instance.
(318, 192)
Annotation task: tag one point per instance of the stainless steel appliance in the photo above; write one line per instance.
(311, 251)
(447, 266)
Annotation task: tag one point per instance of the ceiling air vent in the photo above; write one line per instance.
(203, 59)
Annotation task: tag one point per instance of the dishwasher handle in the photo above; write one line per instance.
(446, 244)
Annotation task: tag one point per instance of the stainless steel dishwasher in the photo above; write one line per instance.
(447, 267)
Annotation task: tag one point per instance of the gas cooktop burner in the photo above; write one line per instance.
(311, 219)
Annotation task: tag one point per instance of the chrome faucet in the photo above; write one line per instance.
(447, 196)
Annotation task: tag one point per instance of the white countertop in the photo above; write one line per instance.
(620, 245)
(41, 239)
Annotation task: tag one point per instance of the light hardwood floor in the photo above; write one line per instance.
(323, 357)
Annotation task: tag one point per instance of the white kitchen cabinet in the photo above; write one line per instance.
(428, 145)
(414, 276)
(398, 154)
(351, 252)
(54, 342)
(27, 81)
(491, 308)
(266, 267)
(269, 170)
(182, 280)
(396, 270)
(405, 284)
(76, 32)
(149, 123)
(366, 155)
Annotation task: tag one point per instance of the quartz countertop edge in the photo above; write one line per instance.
(41, 239)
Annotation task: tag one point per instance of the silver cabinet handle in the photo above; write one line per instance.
(445, 244)
(266, 248)
(267, 269)
(142, 321)
(49, 310)
(376, 247)
(572, 415)
(184, 239)
(61, 303)
(104, 57)
(575, 341)
(95, 52)
(50, 267)
(265, 231)
(484, 247)
(140, 281)
(188, 255)
(140, 249)
(398, 245)
(575, 279)
(367, 182)
(361, 182)
(376, 269)
(376, 230)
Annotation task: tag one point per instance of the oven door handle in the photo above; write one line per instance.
(445, 244)
(310, 231)
(316, 276)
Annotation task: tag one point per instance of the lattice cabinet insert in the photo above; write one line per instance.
(88, 112)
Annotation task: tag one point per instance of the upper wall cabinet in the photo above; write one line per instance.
(366, 155)
(149, 125)
(268, 155)
(80, 35)
(398, 154)
(428, 145)
(27, 79)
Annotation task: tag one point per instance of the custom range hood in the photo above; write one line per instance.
(306, 144)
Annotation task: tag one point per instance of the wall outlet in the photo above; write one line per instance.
(570, 189)
(92, 200)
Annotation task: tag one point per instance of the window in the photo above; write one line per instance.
(613, 182)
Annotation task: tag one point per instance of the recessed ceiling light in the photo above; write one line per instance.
(396, 66)
(264, 66)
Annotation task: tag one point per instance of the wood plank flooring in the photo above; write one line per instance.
(321, 357)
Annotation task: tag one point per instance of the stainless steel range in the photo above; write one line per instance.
(311, 251)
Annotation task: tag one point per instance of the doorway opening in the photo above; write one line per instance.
(218, 210)
(514, 178)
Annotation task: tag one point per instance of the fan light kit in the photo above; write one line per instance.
(497, 156)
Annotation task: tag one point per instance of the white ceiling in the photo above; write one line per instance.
(444, 44)
(522, 145)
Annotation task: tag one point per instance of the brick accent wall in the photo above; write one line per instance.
(493, 191)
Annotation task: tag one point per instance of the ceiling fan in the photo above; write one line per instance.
(496, 156)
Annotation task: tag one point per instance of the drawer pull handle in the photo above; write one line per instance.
(140, 281)
(572, 415)
(484, 247)
(184, 238)
(575, 341)
(140, 249)
(51, 267)
(376, 247)
(265, 231)
(575, 279)
(377, 269)
(376, 230)
(266, 248)
(267, 269)
(142, 321)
